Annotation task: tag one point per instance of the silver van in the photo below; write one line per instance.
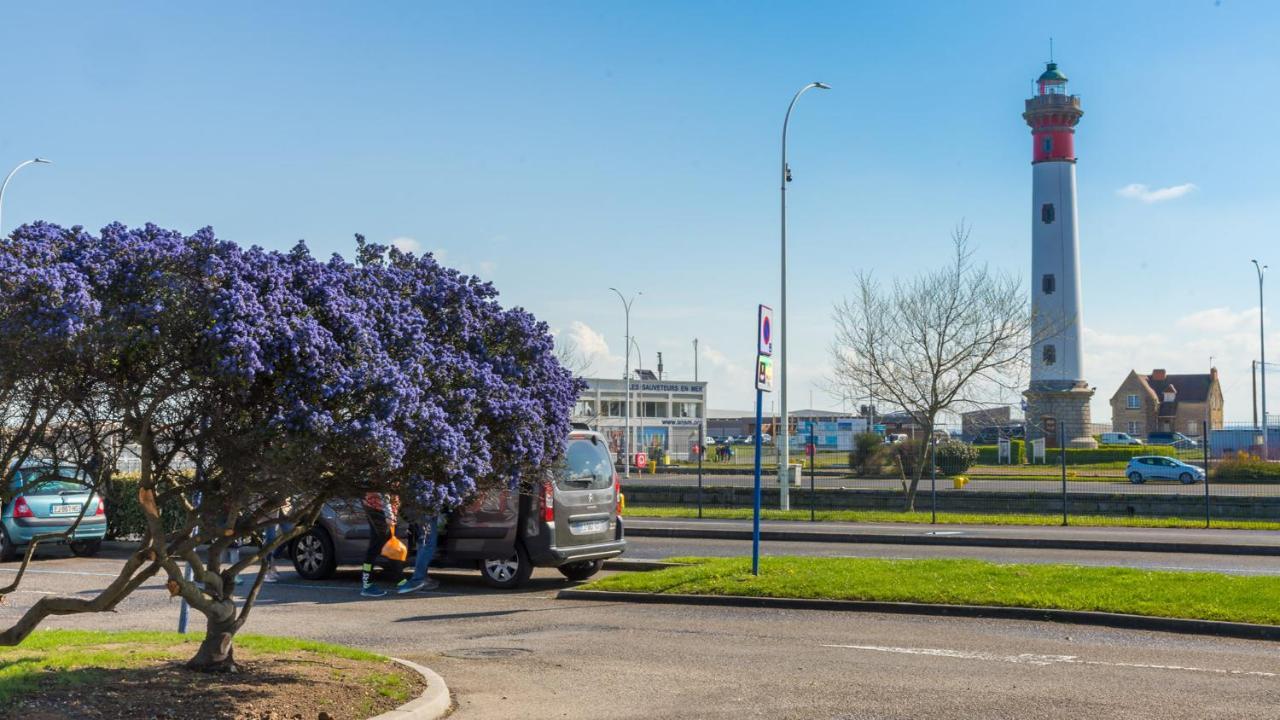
(1119, 438)
(573, 523)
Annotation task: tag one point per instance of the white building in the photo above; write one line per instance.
(666, 414)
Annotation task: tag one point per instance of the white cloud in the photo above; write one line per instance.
(1138, 191)
(588, 342)
(406, 244)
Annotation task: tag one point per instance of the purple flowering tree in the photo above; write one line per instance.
(257, 385)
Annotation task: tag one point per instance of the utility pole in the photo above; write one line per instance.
(626, 423)
(784, 460)
(1262, 362)
(695, 359)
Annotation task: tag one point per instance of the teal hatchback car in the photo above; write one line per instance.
(48, 499)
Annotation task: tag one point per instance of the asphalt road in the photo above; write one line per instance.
(1047, 485)
(528, 655)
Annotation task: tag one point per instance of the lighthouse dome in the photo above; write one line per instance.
(1052, 74)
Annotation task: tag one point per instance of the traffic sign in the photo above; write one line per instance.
(764, 334)
(764, 373)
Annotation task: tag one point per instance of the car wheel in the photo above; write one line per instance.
(85, 548)
(1136, 478)
(7, 550)
(578, 571)
(1187, 478)
(509, 572)
(313, 555)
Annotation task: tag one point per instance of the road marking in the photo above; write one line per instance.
(1042, 660)
(32, 571)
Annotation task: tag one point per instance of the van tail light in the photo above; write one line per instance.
(21, 509)
(548, 503)
(102, 507)
(620, 503)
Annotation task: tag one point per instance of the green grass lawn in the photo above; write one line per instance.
(944, 518)
(1202, 596)
(61, 651)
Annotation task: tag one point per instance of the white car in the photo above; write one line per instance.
(1159, 467)
(1119, 438)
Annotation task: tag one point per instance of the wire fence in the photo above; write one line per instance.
(1051, 470)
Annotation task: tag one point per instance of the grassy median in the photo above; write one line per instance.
(85, 673)
(1200, 596)
(944, 518)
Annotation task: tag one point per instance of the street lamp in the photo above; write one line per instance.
(626, 423)
(784, 463)
(639, 356)
(1262, 348)
(9, 177)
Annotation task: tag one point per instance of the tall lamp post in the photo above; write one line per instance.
(9, 177)
(1262, 365)
(626, 423)
(785, 460)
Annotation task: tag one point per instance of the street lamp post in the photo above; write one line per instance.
(1262, 365)
(626, 423)
(785, 460)
(9, 177)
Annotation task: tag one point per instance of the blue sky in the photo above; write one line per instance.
(559, 149)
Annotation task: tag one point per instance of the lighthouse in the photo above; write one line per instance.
(1058, 396)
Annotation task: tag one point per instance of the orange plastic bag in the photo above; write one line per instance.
(394, 549)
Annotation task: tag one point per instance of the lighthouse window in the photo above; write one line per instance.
(1048, 144)
(1046, 213)
(1049, 354)
(1048, 284)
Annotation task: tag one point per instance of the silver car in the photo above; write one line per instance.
(1158, 467)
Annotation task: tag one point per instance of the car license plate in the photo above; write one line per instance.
(588, 528)
(69, 509)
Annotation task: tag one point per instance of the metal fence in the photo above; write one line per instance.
(1215, 476)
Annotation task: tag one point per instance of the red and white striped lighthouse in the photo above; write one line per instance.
(1058, 397)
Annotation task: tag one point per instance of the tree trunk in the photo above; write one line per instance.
(217, 651)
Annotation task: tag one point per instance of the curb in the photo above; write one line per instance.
(956, 540)
(434, 702)
(1074, 617)
(638, 565)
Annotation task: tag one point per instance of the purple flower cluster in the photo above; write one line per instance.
(389, 372)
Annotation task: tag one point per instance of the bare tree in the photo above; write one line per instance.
(571, 356)
(939, 341)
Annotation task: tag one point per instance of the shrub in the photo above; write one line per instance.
(955, 456)
(1245, 466)
(867, 456)
(906, 453)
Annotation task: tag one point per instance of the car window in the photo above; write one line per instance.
(586, 467)
(50, 481)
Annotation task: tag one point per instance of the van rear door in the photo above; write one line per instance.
(584, 495)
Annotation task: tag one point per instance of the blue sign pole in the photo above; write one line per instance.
(755, 523)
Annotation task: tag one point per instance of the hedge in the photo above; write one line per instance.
(1243, 466)
(988, 454)
(1077, 456)
(124, 513)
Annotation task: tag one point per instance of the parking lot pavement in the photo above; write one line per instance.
(526, 654)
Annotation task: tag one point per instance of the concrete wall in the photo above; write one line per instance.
(1117, 504)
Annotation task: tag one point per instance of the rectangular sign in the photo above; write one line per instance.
(764, 330)
(764, 373)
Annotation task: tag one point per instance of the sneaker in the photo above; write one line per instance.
(372, 591)
(408, 586)
(273, 575)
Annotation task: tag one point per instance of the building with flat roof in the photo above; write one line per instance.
(665, 414)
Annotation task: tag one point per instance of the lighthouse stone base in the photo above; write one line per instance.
(1049, 409)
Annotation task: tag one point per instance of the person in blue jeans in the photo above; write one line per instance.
(428, 535)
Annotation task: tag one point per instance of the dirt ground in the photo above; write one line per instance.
(283, 686)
